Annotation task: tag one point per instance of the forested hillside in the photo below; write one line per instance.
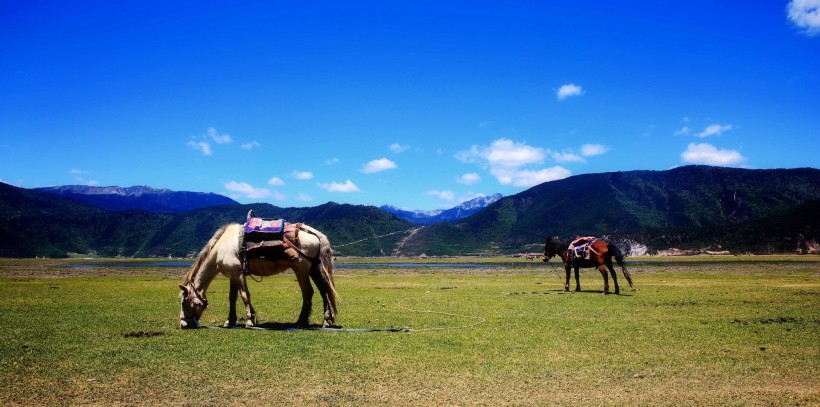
(693, 207)
(34, 223)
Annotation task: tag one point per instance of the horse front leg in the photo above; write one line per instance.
(569, 273)
(577, 280)
(250, 313)
(233, 294)
(307, 297)
(603, 271)
(317, 278)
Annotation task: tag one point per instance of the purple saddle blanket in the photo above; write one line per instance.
(264, 225)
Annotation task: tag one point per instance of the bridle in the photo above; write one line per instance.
(188, 303)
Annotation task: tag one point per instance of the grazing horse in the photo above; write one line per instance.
(223, 254)
(600, 257)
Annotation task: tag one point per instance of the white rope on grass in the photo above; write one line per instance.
(479, 320)
(375, 237)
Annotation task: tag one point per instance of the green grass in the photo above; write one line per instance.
(708, 332)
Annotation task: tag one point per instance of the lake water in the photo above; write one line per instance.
(335, 264)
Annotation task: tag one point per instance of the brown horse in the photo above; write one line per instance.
(600, 257)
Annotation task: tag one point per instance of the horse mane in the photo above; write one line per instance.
(203, 254)
(557, 244)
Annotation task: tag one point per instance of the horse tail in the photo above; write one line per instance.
(325, 265)
(203, 254)
(619, 257)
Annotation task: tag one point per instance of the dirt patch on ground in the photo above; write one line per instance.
(142, 334)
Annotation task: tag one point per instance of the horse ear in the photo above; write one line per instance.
(184, 288)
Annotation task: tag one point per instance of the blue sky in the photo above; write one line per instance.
(416, 104)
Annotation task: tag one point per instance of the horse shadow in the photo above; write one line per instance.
(291, 326)
(599, 292)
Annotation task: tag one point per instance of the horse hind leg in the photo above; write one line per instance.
(614, 276)
(317, 278)
(604, 274)
(307, 295)
(250, 313)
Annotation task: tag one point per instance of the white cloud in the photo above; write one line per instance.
(589, 150)
(218, 138)
(201, 146)
(469, 179)
(304, 198)
(276, 181)
(448, 196)
(805, 14)
(381, 164)
(683, 131)
(78, 176)
(248, 191)
(332, 161)
(504, 153)
(250, 146)
(398, 148)
(566, 157)
(568, 90)
(302, 175)
(506, 158)
(528, 178)
(714, 130)
(708, 154)
(334, 186)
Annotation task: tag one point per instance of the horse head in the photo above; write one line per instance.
(552, 248)
(194, 304)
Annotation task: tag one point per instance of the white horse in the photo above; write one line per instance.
(311, 259)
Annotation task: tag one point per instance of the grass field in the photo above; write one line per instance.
(703, 331)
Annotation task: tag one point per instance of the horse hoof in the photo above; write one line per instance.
(229, 324)
(250, 323)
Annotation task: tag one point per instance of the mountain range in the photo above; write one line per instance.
(695, 207)
(145, 198)
(423, 217)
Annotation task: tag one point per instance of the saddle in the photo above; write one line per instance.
(267, 238)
